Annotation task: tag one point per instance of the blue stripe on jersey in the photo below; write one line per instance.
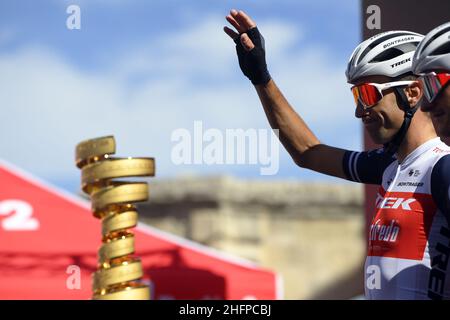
(366, 167)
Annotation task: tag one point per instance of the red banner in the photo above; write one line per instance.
(49, 241)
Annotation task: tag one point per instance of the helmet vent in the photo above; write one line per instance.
(380, 40)
(438, 34)
(387, 55)
(443, 49)
(395, 52)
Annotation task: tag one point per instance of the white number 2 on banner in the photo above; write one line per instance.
(20, 215)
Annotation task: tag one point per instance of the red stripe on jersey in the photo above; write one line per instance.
(401, 225)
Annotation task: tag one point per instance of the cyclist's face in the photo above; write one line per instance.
(439, 111)
(384, 119)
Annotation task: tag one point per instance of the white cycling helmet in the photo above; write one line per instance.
(433, 53)
(387, 54)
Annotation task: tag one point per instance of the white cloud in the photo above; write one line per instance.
(281, 36)
(202, 49)
(48, 104)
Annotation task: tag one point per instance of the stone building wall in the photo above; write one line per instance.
(311, 233)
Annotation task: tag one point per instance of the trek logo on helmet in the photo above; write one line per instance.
(400, 63)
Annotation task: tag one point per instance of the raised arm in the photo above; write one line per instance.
(304, 147)
(301, 143)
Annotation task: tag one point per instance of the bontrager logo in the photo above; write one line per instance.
(400, 63)
(393, 203)
(387, 45)
(410, 184)
(380, 232)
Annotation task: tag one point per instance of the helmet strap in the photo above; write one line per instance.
(392, 146)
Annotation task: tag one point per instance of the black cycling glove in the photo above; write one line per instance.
(253, 63)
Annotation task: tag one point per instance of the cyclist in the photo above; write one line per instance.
(432, 63)
(409, 237)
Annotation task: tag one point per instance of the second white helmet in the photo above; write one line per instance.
(433, 52)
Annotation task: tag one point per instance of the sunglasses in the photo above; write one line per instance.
(369, 94)
(432, 84)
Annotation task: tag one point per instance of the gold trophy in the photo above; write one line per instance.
(119, 272)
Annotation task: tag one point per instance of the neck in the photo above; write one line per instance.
(418, 133)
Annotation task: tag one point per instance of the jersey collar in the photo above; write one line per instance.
(424, 147)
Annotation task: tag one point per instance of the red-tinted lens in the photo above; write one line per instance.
(432, 84)
(367, 94)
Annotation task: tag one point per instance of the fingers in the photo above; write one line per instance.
(244, 38)
(240, 20)
(234, 23)
(246, 42)
(233, 35)
(243, 19)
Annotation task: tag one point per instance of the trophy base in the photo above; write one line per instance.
(137, 293)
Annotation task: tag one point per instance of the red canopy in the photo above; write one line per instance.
(44, 231)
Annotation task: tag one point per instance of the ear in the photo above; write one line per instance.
(414, 93)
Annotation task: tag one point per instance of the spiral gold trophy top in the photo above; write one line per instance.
(119, 272)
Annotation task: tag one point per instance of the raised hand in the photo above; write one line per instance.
(249, 46)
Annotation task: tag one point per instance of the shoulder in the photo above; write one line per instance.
(439, 151)
(366, 166)
(378, 158)
(374, 155)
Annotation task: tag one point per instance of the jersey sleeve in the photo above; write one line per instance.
(440, 185)
(367, 166)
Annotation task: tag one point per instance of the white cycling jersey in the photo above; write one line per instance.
(409, 237)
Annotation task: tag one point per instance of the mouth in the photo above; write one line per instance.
(368, 121)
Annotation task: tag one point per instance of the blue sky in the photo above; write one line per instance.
(142, 69)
